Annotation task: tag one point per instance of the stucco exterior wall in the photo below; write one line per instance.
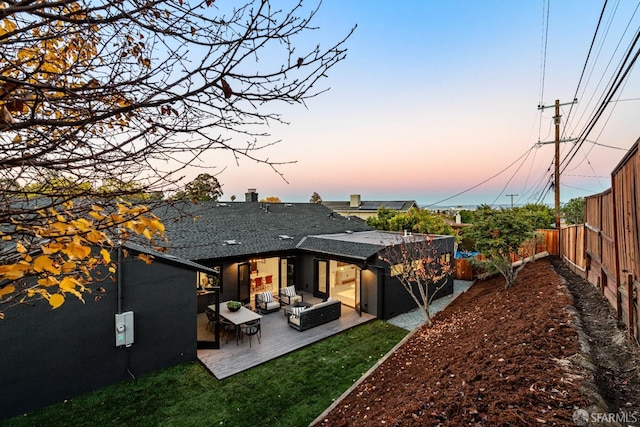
(49, 355)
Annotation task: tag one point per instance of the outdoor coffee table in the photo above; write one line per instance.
(287, 311)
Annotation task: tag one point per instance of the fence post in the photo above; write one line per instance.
(630, 308)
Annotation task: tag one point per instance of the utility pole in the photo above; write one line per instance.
(556, 174)
(512, 196)
(557, 141)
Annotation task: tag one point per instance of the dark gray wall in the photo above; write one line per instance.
(47, 355)
(394, 298)
(369, 291)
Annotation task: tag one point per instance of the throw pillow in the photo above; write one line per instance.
(267, 296)
(290, 291)
(295, 311)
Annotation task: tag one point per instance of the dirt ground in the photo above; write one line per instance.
(529, 355)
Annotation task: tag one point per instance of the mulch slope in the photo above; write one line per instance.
(493, 357)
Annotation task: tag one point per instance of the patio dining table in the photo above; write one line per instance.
(239, 317)
(243, 315)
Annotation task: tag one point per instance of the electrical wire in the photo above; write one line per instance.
(629, 59)
(586, 61)
(510, 179)
(483, 182)
(616, 80)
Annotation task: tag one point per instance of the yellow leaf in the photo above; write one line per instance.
(68, 267)
(77, 249)
(17, 139)
(146, 258)
(6, 238)
(96, 236)
(56, 300)
(12, 271)
(96, 215)
(20, 248)
(106, 256)
(51, 248)
(7, 26)
(48, 281)
(9, 289)
(146, 233)
(68, 284)
(44, 263)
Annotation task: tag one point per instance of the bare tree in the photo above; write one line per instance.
(415, 262)
(136, 91)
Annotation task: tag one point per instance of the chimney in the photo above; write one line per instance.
(354, 202)
(251, 195)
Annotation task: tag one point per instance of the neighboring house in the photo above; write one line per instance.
(48, 355)
(266, 246)
(355, 206)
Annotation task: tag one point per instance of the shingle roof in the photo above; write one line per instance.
(168, 258)
(208, 230)
(359, 245)
(337, 247)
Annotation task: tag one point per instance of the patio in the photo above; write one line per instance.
(277, 339)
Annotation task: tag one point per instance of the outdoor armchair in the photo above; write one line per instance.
(288, 295)
(266, 302)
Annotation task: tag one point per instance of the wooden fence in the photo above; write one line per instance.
(547, 241)
(606, 248)
(612, 243)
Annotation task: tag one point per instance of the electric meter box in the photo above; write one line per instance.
(124, 329)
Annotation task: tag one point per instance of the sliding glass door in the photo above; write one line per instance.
(321, 288)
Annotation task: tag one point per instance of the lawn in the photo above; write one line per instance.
(289, 391)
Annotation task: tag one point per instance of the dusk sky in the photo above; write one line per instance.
(435, 98)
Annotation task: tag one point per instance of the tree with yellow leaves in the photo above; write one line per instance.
(103, 91)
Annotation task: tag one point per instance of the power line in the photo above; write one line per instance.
(483, 182)
(629, 60)
(586, 61)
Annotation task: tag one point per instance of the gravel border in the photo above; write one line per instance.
(414, 318)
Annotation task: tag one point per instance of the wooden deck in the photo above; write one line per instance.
(278, 339)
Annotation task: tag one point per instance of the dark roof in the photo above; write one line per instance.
(340, 247)
(359, 245)
(211, 230)
(167, 258)
(365, 205)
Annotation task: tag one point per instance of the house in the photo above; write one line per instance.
(356, 207)
(215, 252)
(267, 246)
(51, 355)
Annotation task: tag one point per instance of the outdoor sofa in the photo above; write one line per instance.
(302, 318)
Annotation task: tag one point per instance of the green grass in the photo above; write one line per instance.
(289, 391)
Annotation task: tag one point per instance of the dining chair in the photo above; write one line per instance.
(268, 281)
(211, 317)
(250, 329)
(258, 284)
(228, 327)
